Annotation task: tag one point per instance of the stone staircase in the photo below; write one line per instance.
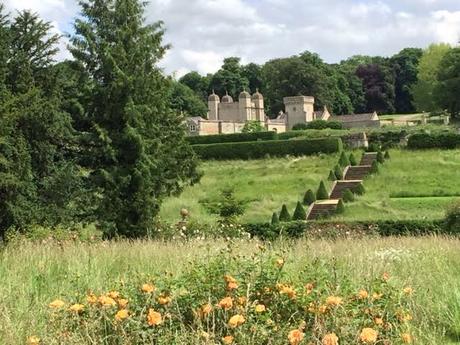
(322, 209)
(353, 176)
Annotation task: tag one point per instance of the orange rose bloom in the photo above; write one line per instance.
(121, 315)
(333, 301)
(363, 294)
(56, 304)
(226, 303)
(113, 294)
(378, 321)
(77, 308)
(33, 340)
(122, 303)
(236, 320)
(295, 337)
(368, 335)
(260, 308)
(309, 287)
(206, 309)
(231, 282)
(227, 340)
(280, 263)
(106, 301)
(330, 339)
(408, 290)
(154, 318)
(91, 298)
(287, 290)
(406, 338)
(164, 300)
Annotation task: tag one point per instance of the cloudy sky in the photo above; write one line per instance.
(203, 32)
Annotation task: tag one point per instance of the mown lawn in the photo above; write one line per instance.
(33, 275)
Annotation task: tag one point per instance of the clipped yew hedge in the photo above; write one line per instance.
(431, 141)
(272, 148)
(232, 138)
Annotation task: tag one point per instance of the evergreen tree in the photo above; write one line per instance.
(338, 172)
(352, 160)
(343, 160)
(284, 214)
(340, 207)
(348, 196)
(309, 197)
(387, 155)
(332, 176)
(374, 167)
(275, 219)
(359, 189)
(380, 157)
(299, 213)
(322, 193)
(135, 148)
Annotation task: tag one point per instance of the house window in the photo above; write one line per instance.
(294, 108)
(192, 128)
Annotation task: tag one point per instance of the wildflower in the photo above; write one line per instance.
(231, 282)
(121, 315)
(377, 296)
(378, 321)
(260, 308)
(322, 309)
(287, 290)
(148, 288)
(330, 339)
(33, 340)
(106, 301)
(406, 338)
(227, 340)
(154, 318)
(242, 300)
(309, 287)
(56, 304)
(368, 335)
(164, 300)
(236, 320)
(386, 276)
(113, 294)
(295, 337)
(333, 301)
(226, 303)
(91, 298)
(363, 294)
(408, 290)
(206, 309)
(122, 303)
(280, 262)
(77, 308)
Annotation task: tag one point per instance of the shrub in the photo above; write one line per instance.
(300, 127)
(387, 155)
(284, 214)
(338, 172)
(309, 197)
(332, 176)
(343, 160)
(322, 193)
(253, 127)
(380, 157)
(373, 147)
(359, 189)
(348, 196)
(375, 167)
(429, 141)
(274, 148)
(322, 124)
(352, 160)
(275, 219)
(453, 219)
(299, 213)
(340, 207)
(232, 138)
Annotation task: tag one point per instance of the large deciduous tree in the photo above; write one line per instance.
(447, 93)
(135, 148)
(230, 78)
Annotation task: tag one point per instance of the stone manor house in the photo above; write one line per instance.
(226, 116)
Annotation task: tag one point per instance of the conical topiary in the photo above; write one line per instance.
(387, 155)
(352, 160)
(322, 193)
(284, 214)
(375, 167)
(338, 172)
(340, 207)
(309, 197)
(343, 160)
(359, 189)
(380, 157)
(299, 213)
(332, 176)
(275, 219)
(347, 196)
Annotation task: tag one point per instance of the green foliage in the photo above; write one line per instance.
(340, 207)
(275, 219)
(352, 160)
(359, 189)
(343, 160)
(309, 197)
(338, 172)
(429, 141)
(387, 155)
(272, 148)
(253, 127)
(299, 212)
(321, 193)
(228, 207)
(448, 89)
(452, 218)
(200, 85)
(332, 176)
(348, 196)
(135, 148)
(322, 124)
(185, 101)
(375, 167)
(230, 78)
(232, 138)
(284, 214)
(380, 157)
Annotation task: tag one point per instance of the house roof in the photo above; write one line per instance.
(355, 117)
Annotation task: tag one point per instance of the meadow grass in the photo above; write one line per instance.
(32, 275)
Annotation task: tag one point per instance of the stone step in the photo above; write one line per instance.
(322, 209)
(358, 172)
(339, 187)
(368, 158)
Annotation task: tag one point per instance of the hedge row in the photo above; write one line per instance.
(430, 141)
(266, 231)
(272, 148)
(232, 138)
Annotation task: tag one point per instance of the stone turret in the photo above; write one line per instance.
(258, 101)
(299, 109)
(213, 106)
(245, 106)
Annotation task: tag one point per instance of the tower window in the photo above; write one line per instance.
(192, 128)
